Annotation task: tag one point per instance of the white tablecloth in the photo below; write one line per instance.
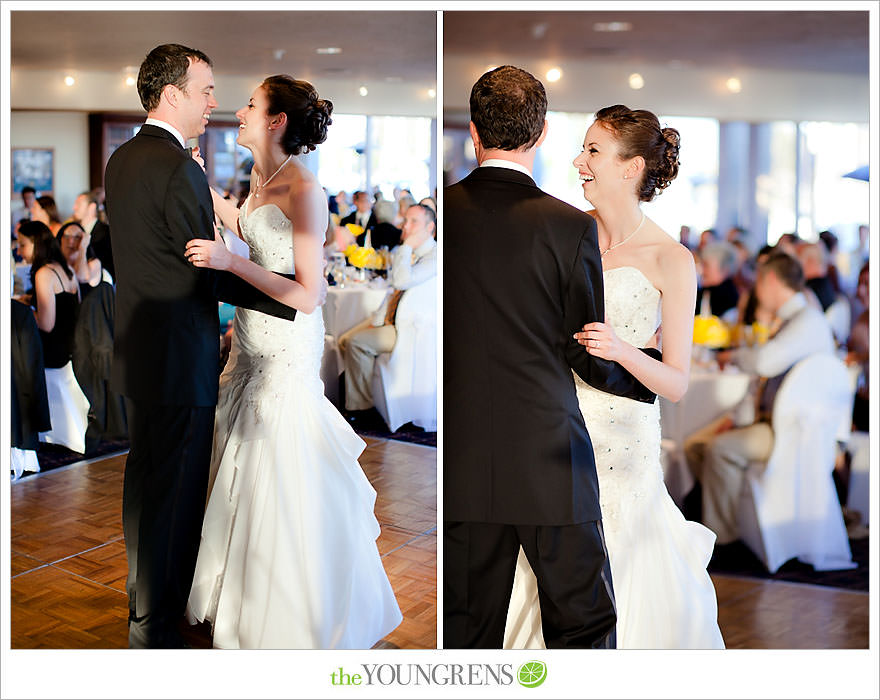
(710, 394)
(347, 307)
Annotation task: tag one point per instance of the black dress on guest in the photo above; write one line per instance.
(824, 291)
(58, 343)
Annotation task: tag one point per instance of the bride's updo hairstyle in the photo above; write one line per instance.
(308, 116)
(638, 133)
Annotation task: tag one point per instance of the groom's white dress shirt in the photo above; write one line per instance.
(509, 164)
(165, 125)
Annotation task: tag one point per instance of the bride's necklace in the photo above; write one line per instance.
(261, 185)
(616, 245)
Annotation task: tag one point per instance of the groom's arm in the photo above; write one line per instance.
(585, 303)
(190, 213)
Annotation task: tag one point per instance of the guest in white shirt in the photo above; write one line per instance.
(414, 261)
(719, 454)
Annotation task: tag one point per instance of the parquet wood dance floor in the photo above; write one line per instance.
(68, 562)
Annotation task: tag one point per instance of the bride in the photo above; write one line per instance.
(288, 555)
(665, 598)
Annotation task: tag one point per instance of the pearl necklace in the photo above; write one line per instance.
(260, 186)
(612, 247)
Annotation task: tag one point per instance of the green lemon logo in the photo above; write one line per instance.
(532, 673)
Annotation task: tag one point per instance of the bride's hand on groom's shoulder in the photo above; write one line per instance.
(600, 340)
(202, 252)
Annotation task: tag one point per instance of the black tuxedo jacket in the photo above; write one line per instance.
(101, 247)
(352, 219)
(522, 274)
(166, 344)
(383, 234)
(722, 297)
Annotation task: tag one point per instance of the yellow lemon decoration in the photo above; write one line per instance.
(355, 229)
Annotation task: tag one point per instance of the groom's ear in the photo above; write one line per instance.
(542, 136)
(475, 137)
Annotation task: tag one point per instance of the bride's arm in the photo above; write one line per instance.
(223, 208)
(669, 377)
(308, 215)
(227, 212)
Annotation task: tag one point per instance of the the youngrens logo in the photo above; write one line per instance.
(529, 675)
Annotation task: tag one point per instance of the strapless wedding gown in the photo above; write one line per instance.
(665, 598)
(288, 555)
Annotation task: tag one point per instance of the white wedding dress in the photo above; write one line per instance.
(288, 555)
(665, 598)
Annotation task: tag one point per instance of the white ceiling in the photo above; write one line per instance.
(378, 45)
(793, 65)
(834, 42)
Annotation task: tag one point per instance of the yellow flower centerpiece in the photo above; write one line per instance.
(355, 229)
(365, 257)
(711, 332)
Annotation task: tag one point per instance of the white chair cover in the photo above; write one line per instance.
(23, 461)
(68, 410)
(405, 380)
(789, 507)
(839, 318)
(859, 495)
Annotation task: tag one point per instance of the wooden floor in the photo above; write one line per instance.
(69, 565)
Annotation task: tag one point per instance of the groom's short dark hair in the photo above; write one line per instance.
(508, 107)
(165, 65)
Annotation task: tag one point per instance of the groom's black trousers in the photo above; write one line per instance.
(163, 504)
(574, 583)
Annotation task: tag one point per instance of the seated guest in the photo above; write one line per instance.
(363, 213)
(749, 310)
(74, 244)
(717, 293)
(404, 202)
(813, 260)
(22, 209)
(28, 400)
(719, 454)
(858, 353)
(343, 208)
(707, 236)
(45, 210)
(384, 233)
(829, 240)
(57, 300)
(413, 262)
(429, 202)
(788, 243)
(86, 210)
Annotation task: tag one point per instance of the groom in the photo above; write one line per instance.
(522, 275)
(166, 346)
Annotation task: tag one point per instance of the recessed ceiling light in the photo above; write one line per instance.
(363, 91)
(612, 27)
(636, 81)
(554, 74)
(539, 30)
(432, 93)
(734, 84)
(130, 81)
(329, 50)
(69, 80)
(279, 54)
